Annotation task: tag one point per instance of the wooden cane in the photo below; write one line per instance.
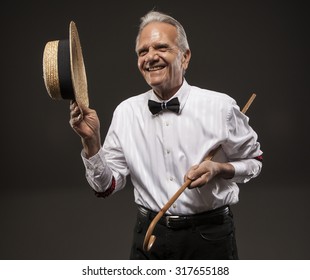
(149, 238)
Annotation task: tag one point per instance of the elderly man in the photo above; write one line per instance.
(160, 138)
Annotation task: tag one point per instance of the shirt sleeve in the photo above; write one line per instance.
(242, 146)
(106, 171)
(246, 169)
(98, 173)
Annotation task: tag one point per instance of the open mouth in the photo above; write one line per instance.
(155, 68)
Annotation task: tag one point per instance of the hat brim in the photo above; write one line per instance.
(78, 73)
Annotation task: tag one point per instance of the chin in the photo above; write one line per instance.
(155, 81)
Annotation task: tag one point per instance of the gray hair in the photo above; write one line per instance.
(154, 16)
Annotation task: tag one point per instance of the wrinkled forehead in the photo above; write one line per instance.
(155, 32)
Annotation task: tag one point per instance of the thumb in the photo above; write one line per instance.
(191, 173)
(83, 108)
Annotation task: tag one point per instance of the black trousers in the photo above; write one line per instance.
(212, 240)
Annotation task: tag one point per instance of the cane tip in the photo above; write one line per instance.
(148, 243)
(151, 242)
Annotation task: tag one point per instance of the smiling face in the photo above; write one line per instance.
(160, 60)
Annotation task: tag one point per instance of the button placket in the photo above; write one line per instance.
(168, 144)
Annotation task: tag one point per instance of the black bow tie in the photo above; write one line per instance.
(172, 105)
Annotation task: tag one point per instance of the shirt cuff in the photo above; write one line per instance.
(97, 171)
(96, 161)
(245, 170)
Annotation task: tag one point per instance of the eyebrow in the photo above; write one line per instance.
(156, 46)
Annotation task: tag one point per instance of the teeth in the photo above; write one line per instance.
(155, 68)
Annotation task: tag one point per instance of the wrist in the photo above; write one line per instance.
(227, 171)
(91, 146)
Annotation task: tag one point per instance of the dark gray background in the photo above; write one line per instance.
(48, 211)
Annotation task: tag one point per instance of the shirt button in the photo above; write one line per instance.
(174, 206)
(167, 124)
(168, 152)
(171, 178)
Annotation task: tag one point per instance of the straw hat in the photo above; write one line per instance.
(63, 69)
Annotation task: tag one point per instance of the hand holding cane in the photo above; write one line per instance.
(149, 238)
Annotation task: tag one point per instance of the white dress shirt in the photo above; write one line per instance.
(157, 150)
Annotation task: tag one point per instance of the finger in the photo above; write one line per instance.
(75, 112)
(85, 110)
(199, 182)
(196, 184)
(75, 121)
(73, 104)
(191, 174)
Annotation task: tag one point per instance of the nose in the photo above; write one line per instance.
(152, 55)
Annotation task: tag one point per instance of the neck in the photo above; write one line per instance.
(165, 94)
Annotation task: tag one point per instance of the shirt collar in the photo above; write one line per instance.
(182, 94)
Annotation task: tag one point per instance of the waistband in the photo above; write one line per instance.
(184, 221)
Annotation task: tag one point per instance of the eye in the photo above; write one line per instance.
(162, 48)
(142, 52)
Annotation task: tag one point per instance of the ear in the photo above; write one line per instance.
(186, 58)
